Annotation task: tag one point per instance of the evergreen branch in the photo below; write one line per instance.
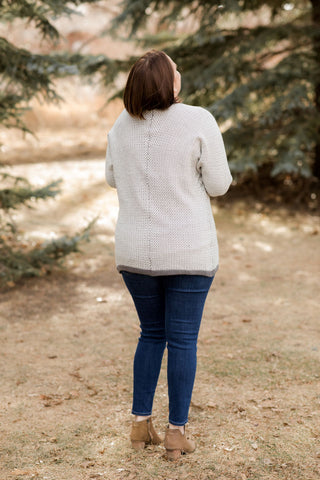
(10, 198)
(251, 40)
(159, 40)
(30, 11)
(16, 180)
(11, 111)
(24, 75)
(30, 73)
(135, 13)
(39, 12)
(297, 68)
(16, 264)
(286, 145)
(293, 48)
(295, 103)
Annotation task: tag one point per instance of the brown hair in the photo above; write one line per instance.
(149, 84)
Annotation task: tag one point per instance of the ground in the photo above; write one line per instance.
(68, 340)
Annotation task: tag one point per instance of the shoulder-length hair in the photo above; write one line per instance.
(150, 84)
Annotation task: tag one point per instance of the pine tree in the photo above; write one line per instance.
(263, 81)
(23, 76)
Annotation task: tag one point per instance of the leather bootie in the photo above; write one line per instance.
(143, 433)
(177, 443)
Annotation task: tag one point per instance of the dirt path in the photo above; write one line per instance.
(67, 343)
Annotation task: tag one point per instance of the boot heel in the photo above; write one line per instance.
(138, 445)
(173, 454)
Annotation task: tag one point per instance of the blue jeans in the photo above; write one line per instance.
(170, 309)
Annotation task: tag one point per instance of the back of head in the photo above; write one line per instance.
(150, 84)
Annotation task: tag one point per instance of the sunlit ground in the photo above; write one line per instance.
(68, 341)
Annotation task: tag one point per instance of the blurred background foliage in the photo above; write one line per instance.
(254, 64)
(25, 75)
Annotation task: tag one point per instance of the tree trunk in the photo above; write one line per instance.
(316, 22)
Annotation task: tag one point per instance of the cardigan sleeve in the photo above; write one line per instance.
(213, 164)
(109, 166)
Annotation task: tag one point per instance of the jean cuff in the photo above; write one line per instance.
(178, 424)
(141, 414)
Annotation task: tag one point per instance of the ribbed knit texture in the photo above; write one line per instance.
(165, 168)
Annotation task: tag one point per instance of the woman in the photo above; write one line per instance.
(166, 159)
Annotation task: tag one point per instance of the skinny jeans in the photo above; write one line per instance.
(170, 309)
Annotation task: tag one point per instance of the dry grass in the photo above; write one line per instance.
(67, 341)
(67, 357)
(69, 129)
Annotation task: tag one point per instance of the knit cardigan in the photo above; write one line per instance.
(165, 168)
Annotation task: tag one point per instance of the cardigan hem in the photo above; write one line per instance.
(155, 273)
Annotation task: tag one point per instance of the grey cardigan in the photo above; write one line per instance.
(165, 168)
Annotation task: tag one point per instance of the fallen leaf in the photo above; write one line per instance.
(51, 400)
(53, 403)
(77, 376)
(228, 449)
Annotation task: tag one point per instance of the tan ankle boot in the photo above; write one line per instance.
(143, 433)
(176, 443)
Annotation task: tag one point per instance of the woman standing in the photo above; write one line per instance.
(166, 159)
